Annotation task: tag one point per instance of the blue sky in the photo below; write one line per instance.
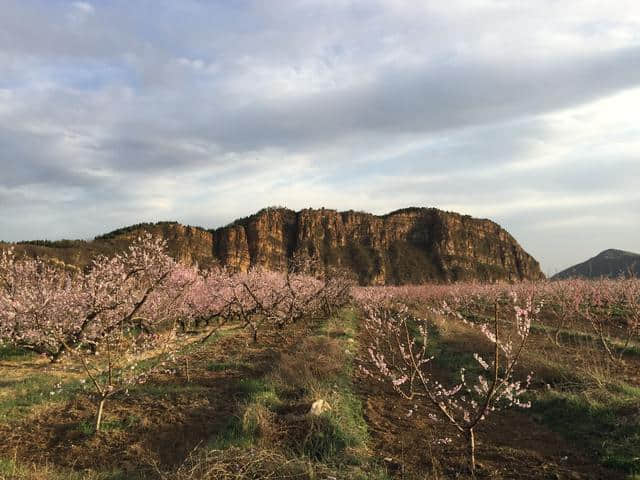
(116, 112)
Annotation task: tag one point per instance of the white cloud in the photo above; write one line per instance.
(202, 112)
(84, 7)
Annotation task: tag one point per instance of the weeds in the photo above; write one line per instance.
(224, 366)
(12, 354)
(32, 391)
(605, 422)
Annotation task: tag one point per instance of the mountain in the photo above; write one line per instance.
(610, 263)
(412, 245)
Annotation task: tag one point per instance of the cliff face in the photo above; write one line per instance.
(414, 245)
(189, 245)
(408, 246)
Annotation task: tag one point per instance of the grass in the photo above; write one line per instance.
(549, 371)
(232, 434)
(229, 365)
(330, 435)
(265, 422)
(34, 390)
(579, 338)
(582, 399)
(321, 368)
(11, 354)
(343, 427)
(605, 422)
(259, 398)
(88, 427)
(166, 390)
(11, 470)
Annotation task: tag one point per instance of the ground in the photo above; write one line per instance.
(241, 412)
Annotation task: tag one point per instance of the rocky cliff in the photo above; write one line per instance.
(413, 245)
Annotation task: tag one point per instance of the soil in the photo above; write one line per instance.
(160, 429)
(509, 445)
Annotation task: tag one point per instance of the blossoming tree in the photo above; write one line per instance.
(399, 356)
(105, 318)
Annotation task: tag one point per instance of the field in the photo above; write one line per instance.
(242, 413)
(290, 381)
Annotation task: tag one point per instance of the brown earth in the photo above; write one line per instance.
(509, 445)
(161, 426)
(160, 429)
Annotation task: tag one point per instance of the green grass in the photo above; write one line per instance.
(88, 427)
(170, 390)
(233, 434)
(344, 426)
(447, 355)
(224, 366)
(10, 353)
(555, 374)
(333, 432)
(11, 470)
(576, 337)
(258, 395)
(336, 439)
(604, 422)
(33, 391)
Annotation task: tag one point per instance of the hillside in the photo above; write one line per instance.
(610, 263)
(412, 245)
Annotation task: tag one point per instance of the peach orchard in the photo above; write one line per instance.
(127, 317)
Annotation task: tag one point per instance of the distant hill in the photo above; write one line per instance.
(610, 263)
(412, 245)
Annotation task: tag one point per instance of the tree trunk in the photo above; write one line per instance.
(557, 337)
(99, 417)
(472, 451)
(605, 344)
(55, 358)
(328, 307)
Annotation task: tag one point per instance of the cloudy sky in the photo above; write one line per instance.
(114, 112)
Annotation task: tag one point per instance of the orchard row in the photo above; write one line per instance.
(606, 308)
(123, 317)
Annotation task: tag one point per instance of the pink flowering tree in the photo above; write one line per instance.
(106, 318)
(557, 306)
(209, 303)
(263, 299)
(399, 356)
(135, 300)
(41, 303)
(629, 297)
(594, 302)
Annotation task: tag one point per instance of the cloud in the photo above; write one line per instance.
(118, 112)
(83, 7)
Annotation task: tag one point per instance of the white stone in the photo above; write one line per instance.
(319, 407)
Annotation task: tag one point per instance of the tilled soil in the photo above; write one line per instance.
(509, 444)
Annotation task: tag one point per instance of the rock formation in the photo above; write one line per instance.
(412, 245)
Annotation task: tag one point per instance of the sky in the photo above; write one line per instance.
(114, 112)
